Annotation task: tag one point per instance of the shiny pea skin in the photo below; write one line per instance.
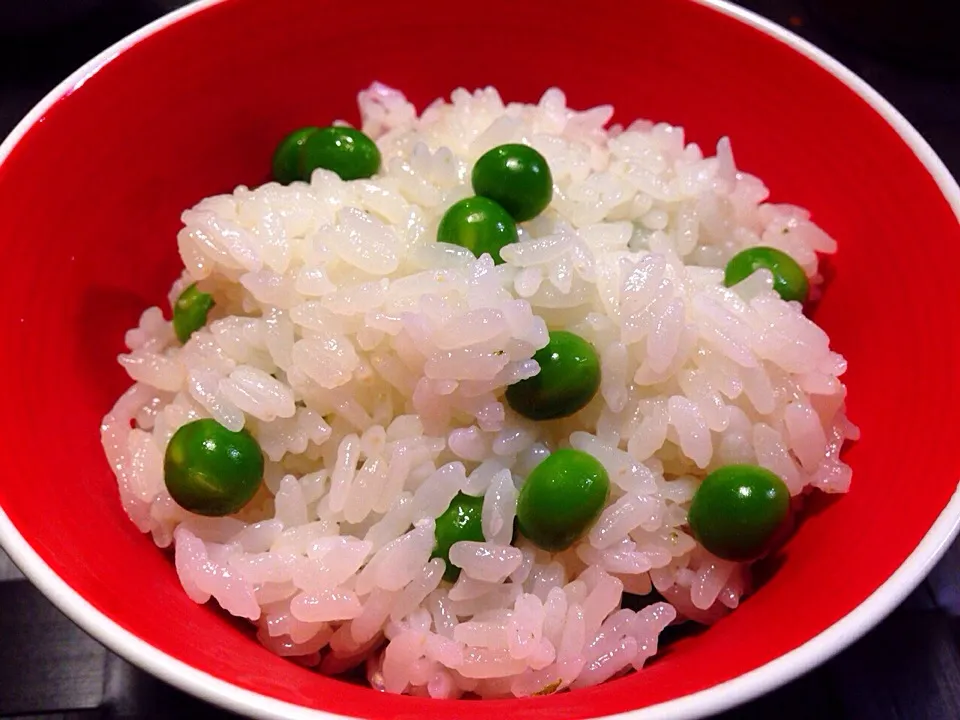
(190, 312)
(286, 158)
(561, 499)
(738, 510)
(210, 470)
(789, 279)
(346, 151)
(479, 225)
(569, 377)
(515, 176)
(460, 521)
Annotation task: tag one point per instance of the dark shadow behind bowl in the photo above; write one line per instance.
(19, 17)
(915, 33)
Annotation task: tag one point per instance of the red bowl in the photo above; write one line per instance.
(92, 183)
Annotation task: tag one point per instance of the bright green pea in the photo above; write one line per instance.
(569, 377)
(737, 511)
(460, 521)
(286, 158)
(210, 470)
(478, 224)
(190, 312)
(517, 177)
(347, 152)
(562, 497)
(789, 279)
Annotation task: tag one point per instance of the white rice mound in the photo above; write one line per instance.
(370, 362)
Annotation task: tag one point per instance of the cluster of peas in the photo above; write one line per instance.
(738, 509)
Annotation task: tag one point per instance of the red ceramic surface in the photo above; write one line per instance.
(90, 199)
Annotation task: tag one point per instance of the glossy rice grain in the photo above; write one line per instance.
(371, 364)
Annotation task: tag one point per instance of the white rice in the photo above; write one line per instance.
(370, 362)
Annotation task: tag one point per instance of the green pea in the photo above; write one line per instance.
(562, 497)
(286, 158)
(737, 511)
(517, 177)
(190, 312)
(460, 521)
(789, 279)
(210, 470)
(347, 152)
(479, 225)
(569, 377)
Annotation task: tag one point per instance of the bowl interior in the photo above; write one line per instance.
(89, 209)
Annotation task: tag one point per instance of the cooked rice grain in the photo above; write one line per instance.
(370, 361)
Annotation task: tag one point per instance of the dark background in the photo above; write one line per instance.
(906, 669)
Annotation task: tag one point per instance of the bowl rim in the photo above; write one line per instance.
(718, 698)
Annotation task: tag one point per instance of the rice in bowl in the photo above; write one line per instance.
(370, 364)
